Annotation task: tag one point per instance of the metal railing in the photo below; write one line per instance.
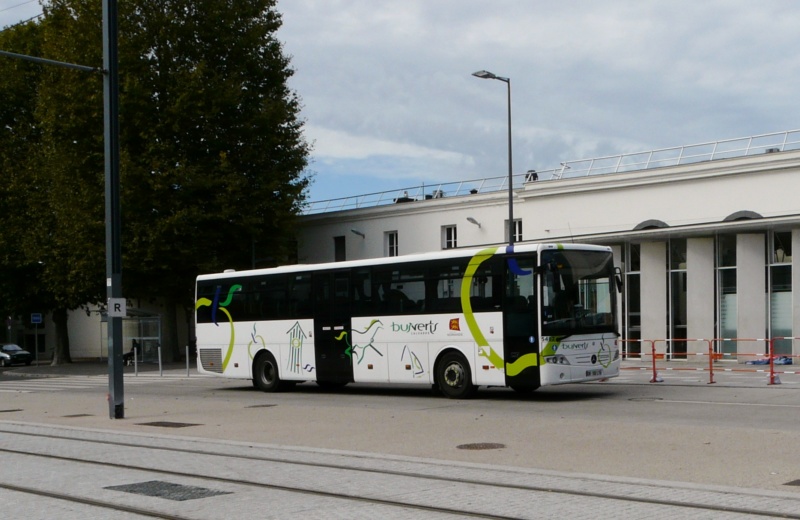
(689, 154)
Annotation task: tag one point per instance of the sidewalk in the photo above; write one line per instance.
(248, 432)
(193, 478)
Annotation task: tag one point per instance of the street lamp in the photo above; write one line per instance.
(485, 74)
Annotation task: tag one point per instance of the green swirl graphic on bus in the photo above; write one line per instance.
(605, 356)
(360, 350)
(512, 369)
(217, 305)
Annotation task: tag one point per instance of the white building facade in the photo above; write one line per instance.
(705, 244)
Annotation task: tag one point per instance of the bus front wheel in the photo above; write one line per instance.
(265, 373)
(454, 376)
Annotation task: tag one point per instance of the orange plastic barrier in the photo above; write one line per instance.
(713, 355)
(657, 379)
(773, 379)
(626, 353)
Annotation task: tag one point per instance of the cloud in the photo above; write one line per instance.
(331, 144)
(388, 94)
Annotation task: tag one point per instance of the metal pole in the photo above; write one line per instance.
(116, 393)
(45, 61)
(511, 226)
(485, 74)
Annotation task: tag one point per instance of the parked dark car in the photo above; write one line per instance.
(14, 354)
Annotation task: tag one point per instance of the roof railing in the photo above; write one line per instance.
(725, 149)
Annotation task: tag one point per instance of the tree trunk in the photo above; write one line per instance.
(61, 352)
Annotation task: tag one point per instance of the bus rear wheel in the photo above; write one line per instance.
(265, 373)
(454, 376)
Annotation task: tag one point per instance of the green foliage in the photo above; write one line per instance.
(214, 163)
(67, 214)
(212, 151)
(19, 138)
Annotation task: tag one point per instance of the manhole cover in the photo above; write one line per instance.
(167, 490)
(261, 406)
(645, 399)
(11, 410)
(793, 483)
(76, 415)
(481, 446)
(167, 424)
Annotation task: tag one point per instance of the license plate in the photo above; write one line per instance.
(592, 373)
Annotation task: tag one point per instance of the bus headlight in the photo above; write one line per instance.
(556, 360)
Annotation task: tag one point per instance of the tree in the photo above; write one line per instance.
(212, 151)
(68, 213)
(213, 145)
(21, 287)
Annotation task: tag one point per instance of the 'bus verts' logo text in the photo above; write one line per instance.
(415, 328)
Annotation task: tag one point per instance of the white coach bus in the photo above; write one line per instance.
(521, 317)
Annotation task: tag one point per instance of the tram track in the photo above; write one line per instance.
(218, 479)
(96, 504)
(104, 451)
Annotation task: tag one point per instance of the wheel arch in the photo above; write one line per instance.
(261, 352)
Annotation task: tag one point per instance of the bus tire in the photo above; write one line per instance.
(454, 376)
(265, 373)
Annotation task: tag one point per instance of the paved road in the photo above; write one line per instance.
(728, 446)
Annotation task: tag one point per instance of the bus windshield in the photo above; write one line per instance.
(578, 292)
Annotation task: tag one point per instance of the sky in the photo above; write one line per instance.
(389, 100)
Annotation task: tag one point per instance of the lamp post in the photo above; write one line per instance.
(484, 74)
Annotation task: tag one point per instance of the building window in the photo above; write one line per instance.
(677, 297)
(449, 237)
(517, 230)
(339, 254)
(780, 290)
(392, 247)
(726, 288)
(633, 300)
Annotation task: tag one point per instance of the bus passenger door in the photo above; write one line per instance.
(521, 324)
(332, 328)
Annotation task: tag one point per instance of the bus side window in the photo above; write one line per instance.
(300, 296)
(238, 308)
(273, 291)
(445, 281)
(362, 292)
(205, 290)
(397, 289)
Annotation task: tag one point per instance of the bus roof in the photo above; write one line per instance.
(418, 257)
